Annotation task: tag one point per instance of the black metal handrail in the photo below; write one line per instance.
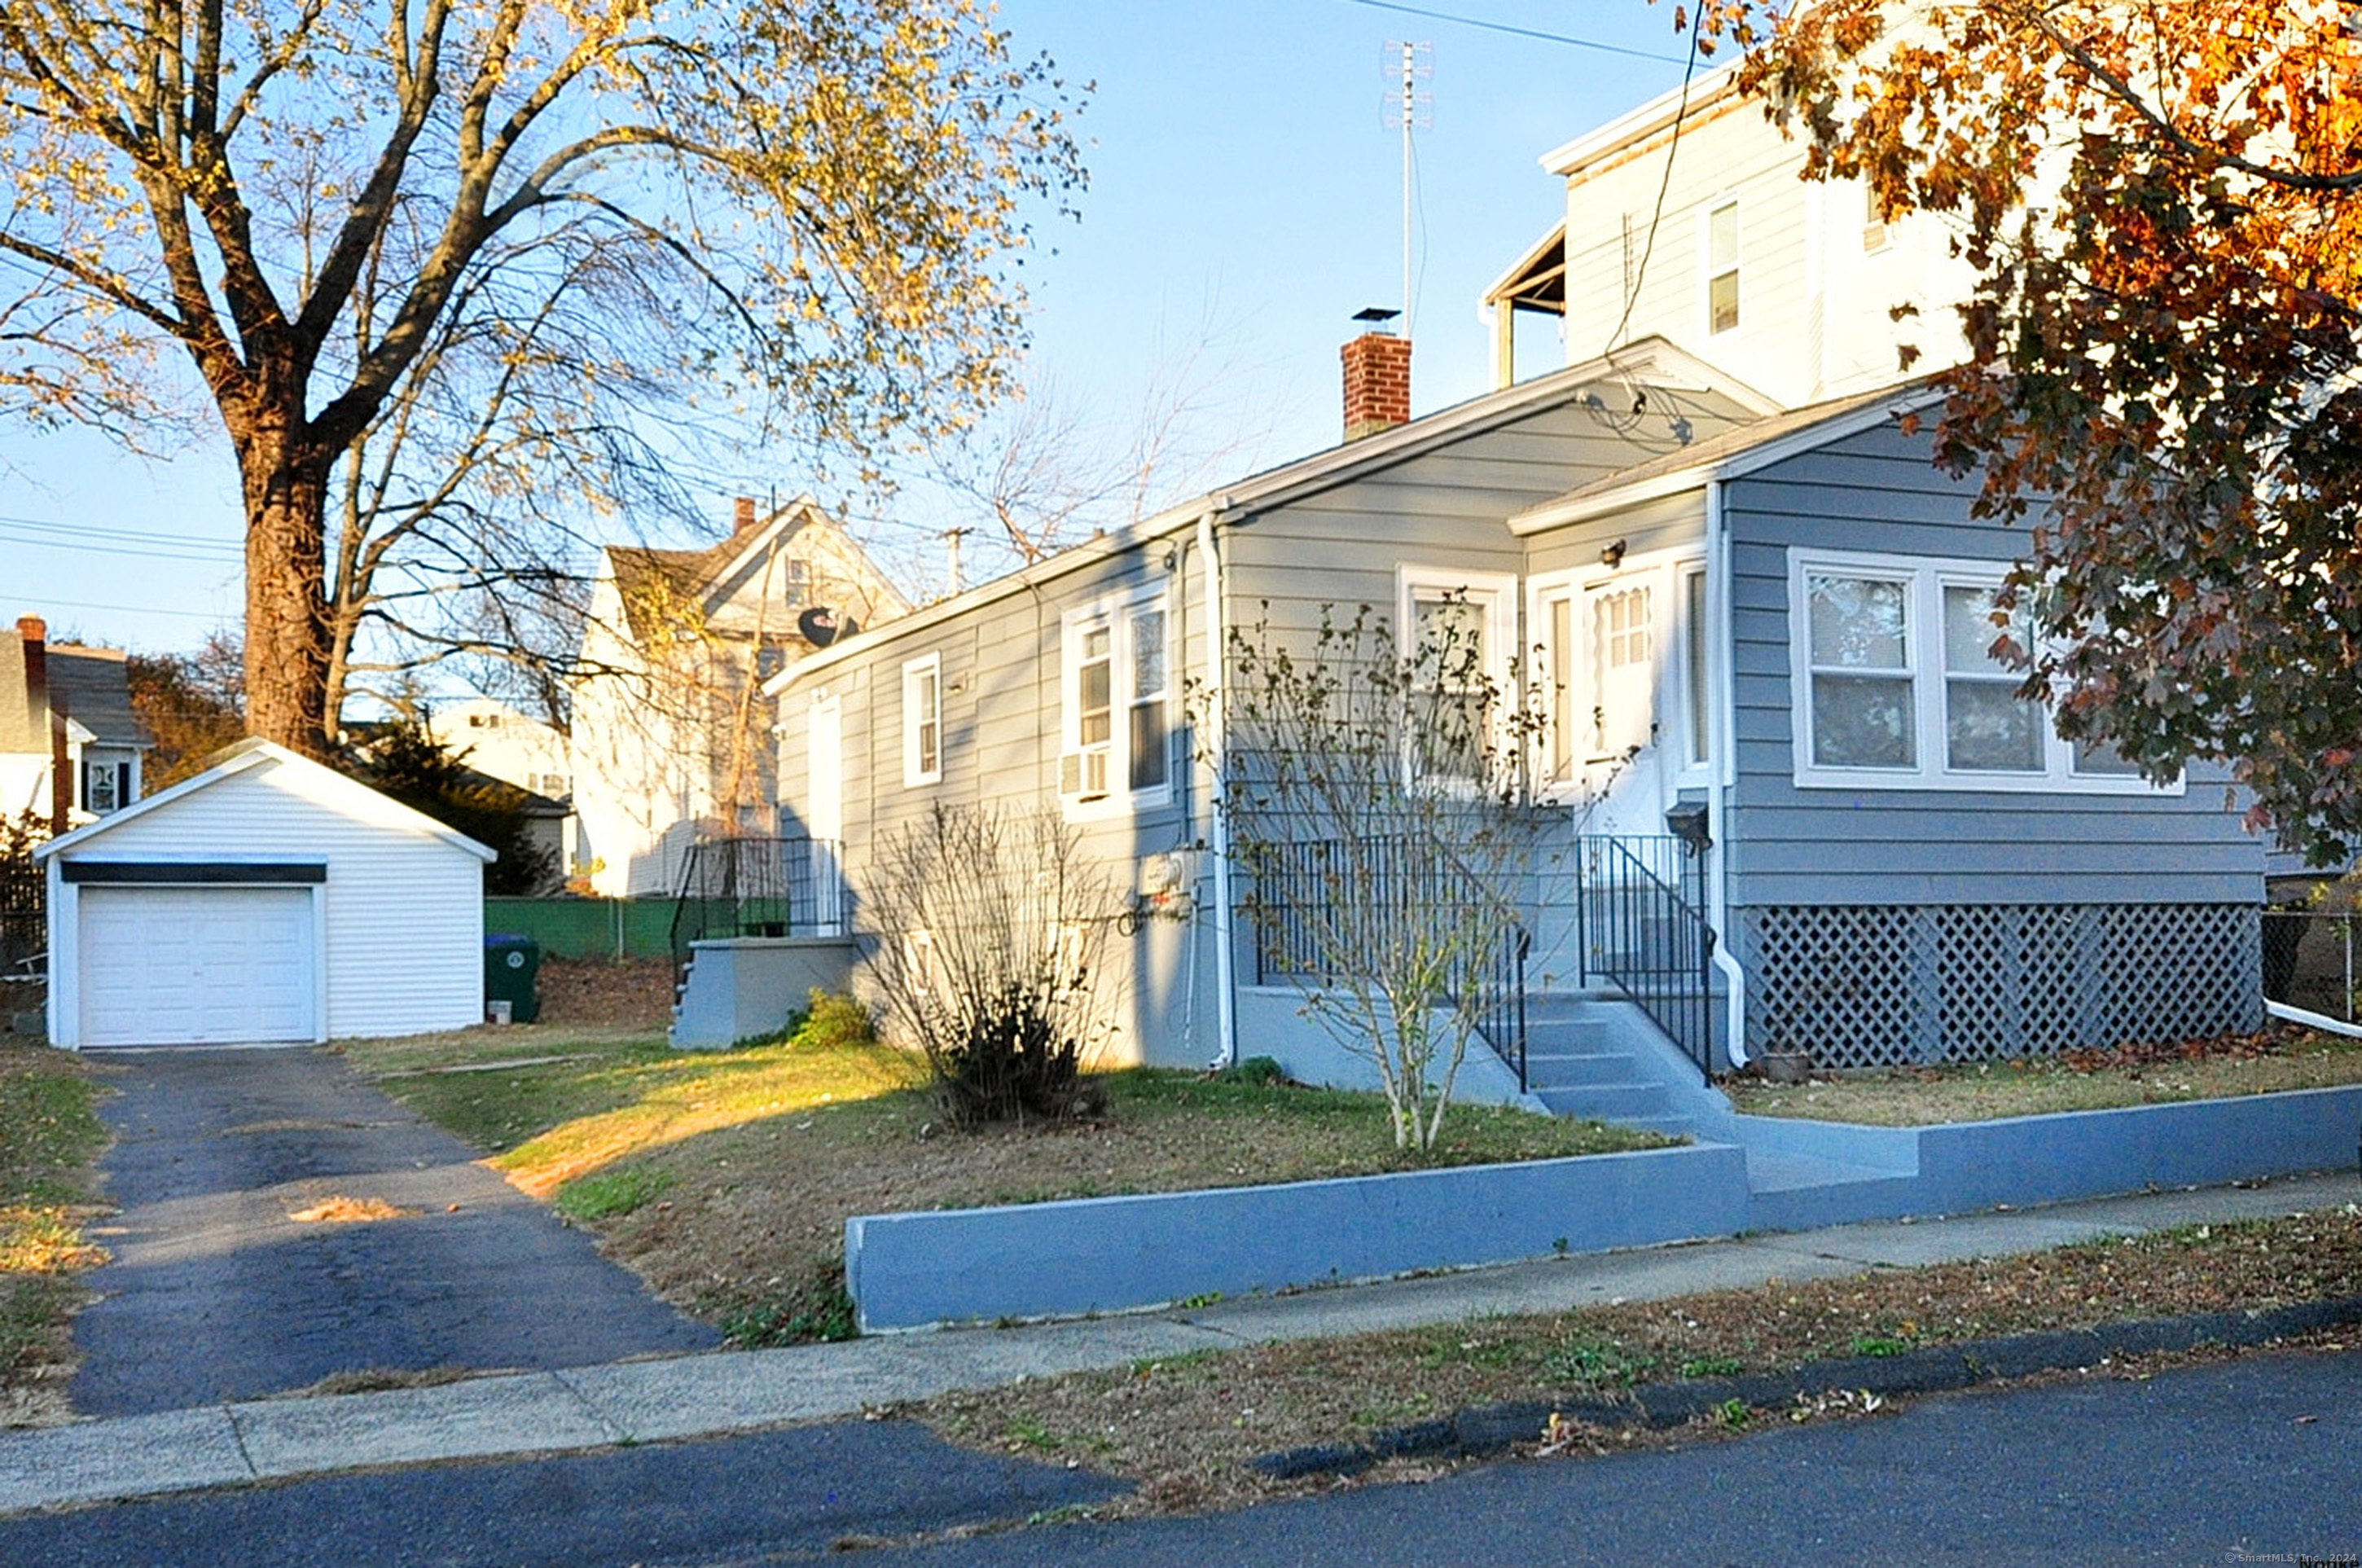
(1642, 905)
(1298, 885)
(756, 887)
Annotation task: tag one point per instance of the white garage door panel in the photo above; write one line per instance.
(196, 966)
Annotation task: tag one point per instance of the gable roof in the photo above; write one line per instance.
(646, 575)
(1653, 361)
(245, 757)
(1729, 453)
(92, 686)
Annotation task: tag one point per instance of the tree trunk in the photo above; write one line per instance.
(288, 636)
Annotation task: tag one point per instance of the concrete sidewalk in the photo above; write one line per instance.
(720, 1393)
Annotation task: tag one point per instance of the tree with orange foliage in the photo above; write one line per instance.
(2163, 203)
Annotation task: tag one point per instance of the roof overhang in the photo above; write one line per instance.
(1581, 506)
(1537, 281)
(1663, 364)
(1657, 116)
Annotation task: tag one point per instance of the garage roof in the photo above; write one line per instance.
(254, 753)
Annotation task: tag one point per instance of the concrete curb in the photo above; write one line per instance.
(1493, 1429)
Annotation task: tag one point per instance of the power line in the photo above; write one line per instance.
(1492, 27)
(45, 602)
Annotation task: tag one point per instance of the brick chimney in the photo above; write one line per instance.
(42, 711)
(744, 518)
(1377, 383)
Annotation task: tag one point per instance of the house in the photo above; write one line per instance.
(267, 899)
(671, 736)
(1773, 624)
(1688, 219)
(503, 745)
(71, 746)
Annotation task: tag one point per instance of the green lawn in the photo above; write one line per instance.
(50, 1134)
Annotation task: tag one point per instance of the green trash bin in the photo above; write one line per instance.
(513, 975)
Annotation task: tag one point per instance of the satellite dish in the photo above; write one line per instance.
(819, 627)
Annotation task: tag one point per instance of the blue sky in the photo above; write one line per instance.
(1245, 195)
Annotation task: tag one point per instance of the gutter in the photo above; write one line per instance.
(1722, 723)
(1219, 817)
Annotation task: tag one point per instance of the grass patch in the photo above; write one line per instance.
(1184, 1429)
(2280, 1058)
(725, 1178)
(50, 1134)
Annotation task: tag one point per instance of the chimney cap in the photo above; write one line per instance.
(1374, 314)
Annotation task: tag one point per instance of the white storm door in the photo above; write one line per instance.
(1622, 652)
(196, 966)
(824, 819)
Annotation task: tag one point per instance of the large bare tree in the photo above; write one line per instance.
(376, 220)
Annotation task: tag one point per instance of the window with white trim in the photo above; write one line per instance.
(1117, 703)
(1460, 627)
(922, 720)
(1722, 267)
(1897, 685)
(1696, 679)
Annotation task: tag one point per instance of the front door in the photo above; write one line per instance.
(824, 819)
(1617, 729)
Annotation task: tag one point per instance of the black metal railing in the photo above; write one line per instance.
(1319, 903)
(1642, 905)
(2312, 959)
(757, 887)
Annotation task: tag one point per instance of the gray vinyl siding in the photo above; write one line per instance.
(1877, 491)
(1668, 523)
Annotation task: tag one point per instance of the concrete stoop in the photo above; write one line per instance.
(1603, 1059)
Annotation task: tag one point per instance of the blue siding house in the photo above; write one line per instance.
(1764, 639)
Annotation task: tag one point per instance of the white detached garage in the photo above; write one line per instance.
(268, 899)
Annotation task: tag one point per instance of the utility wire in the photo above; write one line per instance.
(1640, 273)
(1491, 27)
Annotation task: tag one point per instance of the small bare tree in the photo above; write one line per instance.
(987, 929)
(1377, 801)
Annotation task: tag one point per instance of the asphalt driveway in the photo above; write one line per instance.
(282, 1221)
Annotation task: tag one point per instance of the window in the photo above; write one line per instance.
(1874, 222)
(106, 785)
(922, 720)
(1460, 630)
(1722, 267)
(1898, 687)
(1118, 700)
(1695, 690)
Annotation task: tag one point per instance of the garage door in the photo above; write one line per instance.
(196, 966)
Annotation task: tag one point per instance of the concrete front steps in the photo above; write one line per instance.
(1600, 1058)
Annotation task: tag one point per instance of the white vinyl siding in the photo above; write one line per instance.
(1898, 687)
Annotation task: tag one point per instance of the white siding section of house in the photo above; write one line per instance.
(404, 906)
(1814, 302)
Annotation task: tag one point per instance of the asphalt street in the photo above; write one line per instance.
(2257, 1460)
(220, 1288)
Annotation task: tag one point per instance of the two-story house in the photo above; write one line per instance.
(71, 746)
(671, 733)
(1687, 219)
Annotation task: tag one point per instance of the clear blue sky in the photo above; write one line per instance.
(1243, 180)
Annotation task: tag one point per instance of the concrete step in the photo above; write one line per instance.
(1608, 1102)
(1569, 1069)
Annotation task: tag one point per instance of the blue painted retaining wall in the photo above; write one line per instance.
(1105, 1255)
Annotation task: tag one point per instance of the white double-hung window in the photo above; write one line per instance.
(1458, 633)
(1896, 686)
(922, 720)
(1117, 723)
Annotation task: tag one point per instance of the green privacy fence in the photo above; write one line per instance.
(587, 927)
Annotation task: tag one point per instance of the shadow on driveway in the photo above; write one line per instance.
(217, 1292)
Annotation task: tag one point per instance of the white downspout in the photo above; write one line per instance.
(1722, 722)
(1226, 999)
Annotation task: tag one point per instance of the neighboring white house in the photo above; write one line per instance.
(65, 713)
(501, 742)
(671, 733)
(268, 899)
(1790, 286)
